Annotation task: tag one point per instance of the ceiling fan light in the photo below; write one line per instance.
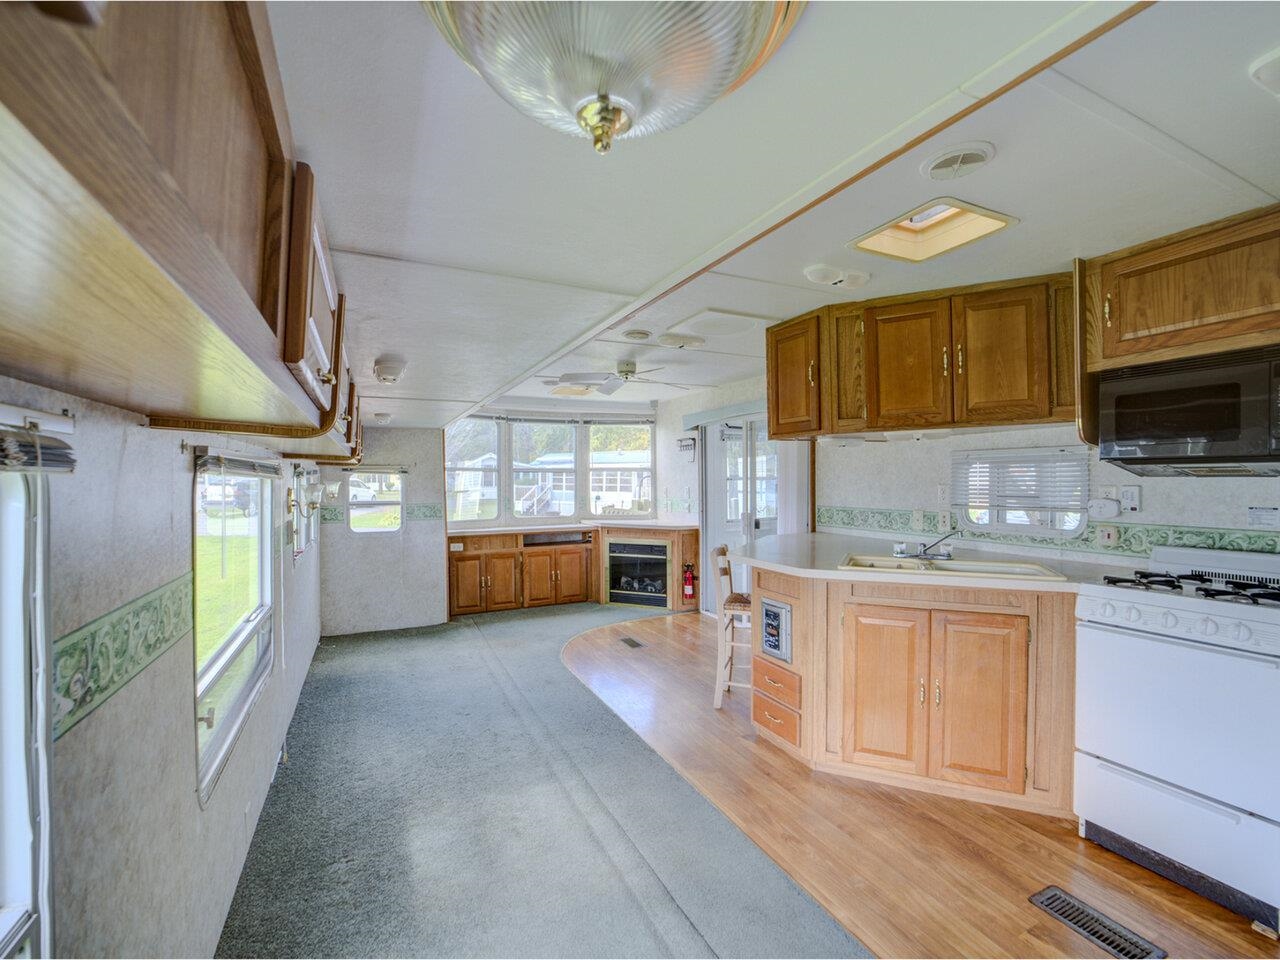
(614, 70)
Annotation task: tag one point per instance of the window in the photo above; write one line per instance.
(374, 501)
(621, 471)
(1039, 491)
(543, 474)
(233, 601)
(471, 469)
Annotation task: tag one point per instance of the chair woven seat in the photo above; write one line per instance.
(738, 601)
(733, 613)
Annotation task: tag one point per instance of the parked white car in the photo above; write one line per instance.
(359, 492)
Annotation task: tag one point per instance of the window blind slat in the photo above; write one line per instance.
(25, 451)
(238, 466)
(1038, 485)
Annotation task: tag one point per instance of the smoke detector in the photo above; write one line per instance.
(679, 341)
(389, 369)
(382, 419)
(638, 336)
(958, 161)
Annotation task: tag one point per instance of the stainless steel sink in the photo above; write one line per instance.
(1012, 570)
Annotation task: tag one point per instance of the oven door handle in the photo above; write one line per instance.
(1204, 646)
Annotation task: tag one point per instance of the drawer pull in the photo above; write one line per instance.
(772, 682)
(771, 717)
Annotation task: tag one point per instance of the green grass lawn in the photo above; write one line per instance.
(375, 517)
(226, 589)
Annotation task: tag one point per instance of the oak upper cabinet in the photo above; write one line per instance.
(539, 577)
(1062, 344)
(502, 580)
(978, 675)
(1001, 364)
(793, 359)
(572, 574)
(908, 364)
(312, 305)
(844, 376)
(1215, 291)
(466, 584)
(886, 670)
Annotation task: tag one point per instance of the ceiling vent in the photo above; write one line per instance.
(959, 161)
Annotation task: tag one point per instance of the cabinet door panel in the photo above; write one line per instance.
(792, 364)
(1222, 284)
(1062, 327)
(466, 585)
(908, 360)
(886, 660)
(502, 579)
(978, 697)
(539, 584)
(571, 575)
(1001, 355)
(844, 370)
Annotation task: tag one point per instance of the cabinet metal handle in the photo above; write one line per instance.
(1106, 310)
(922, 691)
(959, 358)
(771, 717)
(327, 377)
(859, 328)
(772, 682)
(937, 693)
(811, 363)
(946, 365)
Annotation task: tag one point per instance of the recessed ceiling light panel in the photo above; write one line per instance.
(958, 161)
(931, 229)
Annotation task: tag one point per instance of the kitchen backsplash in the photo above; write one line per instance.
(877, 487)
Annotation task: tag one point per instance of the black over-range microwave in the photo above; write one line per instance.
(1208, 417)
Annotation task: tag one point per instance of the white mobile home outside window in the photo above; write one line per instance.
(621, 469)
(471, 470)
(233, 605)
(375, 501)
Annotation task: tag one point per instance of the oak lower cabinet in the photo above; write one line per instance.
(539, 578)
(572, 574)
(936, 693)
(484, 582)
(793, 351)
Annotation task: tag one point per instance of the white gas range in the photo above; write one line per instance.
(1178, 722)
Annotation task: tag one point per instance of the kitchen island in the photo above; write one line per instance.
(958, 684)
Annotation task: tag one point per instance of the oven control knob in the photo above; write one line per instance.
(1132, 614)
(1208, 627)
(1241, 632)
(1108, 609)
(1169, 620)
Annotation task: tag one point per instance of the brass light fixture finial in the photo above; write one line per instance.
(603, 119)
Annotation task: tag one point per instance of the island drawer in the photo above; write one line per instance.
(781, 721)
(776, 682)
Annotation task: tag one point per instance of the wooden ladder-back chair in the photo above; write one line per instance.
(733, 612)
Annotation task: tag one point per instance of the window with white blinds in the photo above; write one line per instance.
(1041, 491)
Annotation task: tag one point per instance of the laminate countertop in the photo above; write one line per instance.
(564, 527)
(817, 556)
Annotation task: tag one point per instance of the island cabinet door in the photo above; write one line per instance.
(539, 578)
(886, 669)
(502, 581)
(978, 699)
(466, 585)
(571, 575)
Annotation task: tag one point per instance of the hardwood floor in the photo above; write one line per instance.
(908, 873)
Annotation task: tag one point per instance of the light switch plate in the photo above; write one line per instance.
(1131, 498)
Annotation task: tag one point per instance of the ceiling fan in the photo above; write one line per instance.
(606, 383)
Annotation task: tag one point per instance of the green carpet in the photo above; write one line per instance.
(455, 791)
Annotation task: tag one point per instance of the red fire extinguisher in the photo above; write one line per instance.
(688, 581)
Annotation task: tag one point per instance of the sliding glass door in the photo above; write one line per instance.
(740, 493)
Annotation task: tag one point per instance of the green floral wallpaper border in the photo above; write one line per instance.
(92, 663)
(1134, 540)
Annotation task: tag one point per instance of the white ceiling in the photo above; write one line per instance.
(1150, 129)
(479, 245)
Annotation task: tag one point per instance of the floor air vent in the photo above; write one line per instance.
(631, 641)
(1117, 940)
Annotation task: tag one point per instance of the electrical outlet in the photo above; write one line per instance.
(917, 519)
(1109, 491)
(1131, 498)
(1107, 534)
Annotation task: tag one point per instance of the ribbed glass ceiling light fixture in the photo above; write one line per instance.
(614, 70)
